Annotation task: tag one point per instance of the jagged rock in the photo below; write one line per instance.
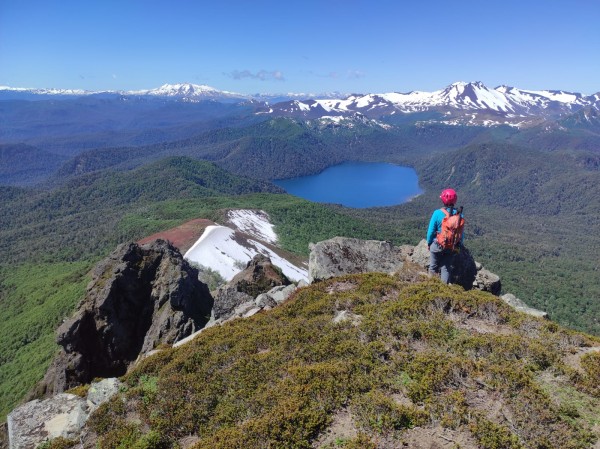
(464, 269)
(63, 415)
(342, 255)
(139, 297)
(487, 281)
(519, 305)
(227, 298)
(231, 304)
(259, 277)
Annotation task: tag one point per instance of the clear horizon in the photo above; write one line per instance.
(315, 47)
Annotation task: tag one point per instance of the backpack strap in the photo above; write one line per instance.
(445, 211)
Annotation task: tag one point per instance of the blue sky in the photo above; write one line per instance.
(300, 46)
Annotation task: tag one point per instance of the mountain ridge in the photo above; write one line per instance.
(501, 105)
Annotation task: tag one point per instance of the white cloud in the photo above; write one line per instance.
(263, 75)
(355, 74)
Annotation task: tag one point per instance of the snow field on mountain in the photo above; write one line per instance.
(227, 252)
(254, 223)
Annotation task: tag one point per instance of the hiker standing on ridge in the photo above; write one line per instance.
(444, 235)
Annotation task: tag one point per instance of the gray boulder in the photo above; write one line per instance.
(342, 255)
(139, 298)
(487, 281)
(275, 296)
(280, 294)
(100, 392)
(420, 255)
(63, 415)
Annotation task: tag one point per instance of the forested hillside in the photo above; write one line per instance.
(282, 148)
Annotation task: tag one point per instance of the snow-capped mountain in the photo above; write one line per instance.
(191, 92)
(459, 103)
(180, 92)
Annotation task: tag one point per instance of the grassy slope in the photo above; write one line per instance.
(35, 298)
(415, 357)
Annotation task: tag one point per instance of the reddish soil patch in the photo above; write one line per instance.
(182, 237)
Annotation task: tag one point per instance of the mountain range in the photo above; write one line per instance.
(465, 103)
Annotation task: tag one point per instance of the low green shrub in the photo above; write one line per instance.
(377, 412)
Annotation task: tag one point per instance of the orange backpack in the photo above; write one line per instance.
(452, 229)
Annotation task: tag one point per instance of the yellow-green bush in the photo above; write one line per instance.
(377, 412)
(591, 365)
(58, 443)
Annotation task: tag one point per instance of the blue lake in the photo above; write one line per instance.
(357, 184)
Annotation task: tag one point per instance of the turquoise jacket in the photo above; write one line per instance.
(435, 224)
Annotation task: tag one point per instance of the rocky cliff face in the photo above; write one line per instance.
(139, 298)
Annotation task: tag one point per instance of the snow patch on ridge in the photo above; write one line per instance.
(227, 251)
(254, 223)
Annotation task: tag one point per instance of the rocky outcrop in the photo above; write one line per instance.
(342, 255)
(264, 301)
(259, 276)
(487, 281)
(63, 415)
(139, 298)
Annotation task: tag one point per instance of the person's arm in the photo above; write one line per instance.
(432, 229)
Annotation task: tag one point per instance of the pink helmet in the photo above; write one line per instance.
(448, 197)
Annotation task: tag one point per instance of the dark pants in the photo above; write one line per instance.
(440, 262)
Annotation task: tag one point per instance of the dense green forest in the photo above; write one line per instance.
(281, 148)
